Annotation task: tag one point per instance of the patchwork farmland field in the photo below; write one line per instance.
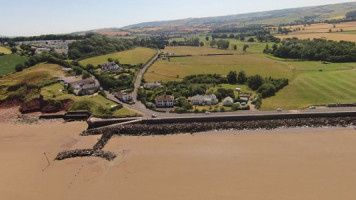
(133, 57)
(8, 63)
(342, 31)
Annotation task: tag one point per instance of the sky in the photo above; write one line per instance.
(35, 17)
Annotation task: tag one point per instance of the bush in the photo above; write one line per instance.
(222, 109)
(19, 67)
(267, 90)
(235, 107)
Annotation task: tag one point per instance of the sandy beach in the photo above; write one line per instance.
(304, 163)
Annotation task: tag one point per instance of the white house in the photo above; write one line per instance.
(111, 66)
(153, 85)
(123, 96)
(165, 101)
(205, 100)
(228, 101)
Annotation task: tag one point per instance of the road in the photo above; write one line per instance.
(140, 74)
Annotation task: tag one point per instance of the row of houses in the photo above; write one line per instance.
(202, 100)
(40, 46)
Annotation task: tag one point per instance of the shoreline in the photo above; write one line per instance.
(226, 164)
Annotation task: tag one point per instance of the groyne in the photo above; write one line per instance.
(85, 153)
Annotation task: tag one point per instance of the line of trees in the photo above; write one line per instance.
(187, 42)
(221, 44)
(100, 45)
(11, 41)
(316, 49)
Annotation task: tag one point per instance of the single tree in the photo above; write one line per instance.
(207, 38)
(245, 47)
(13, 50)
(234, 47)
(232, 77)
(241, 77)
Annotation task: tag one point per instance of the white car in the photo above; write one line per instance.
(154, 116)
(279, 109)
(207, 112)
(312, 107)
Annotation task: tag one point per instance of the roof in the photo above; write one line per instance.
(204, 97)
(121, 94)
(165, 98)
(229, 99)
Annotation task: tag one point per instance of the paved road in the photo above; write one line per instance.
(140, 74)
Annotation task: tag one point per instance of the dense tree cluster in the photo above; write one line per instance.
(205, 79)
(97, 45)
(100, 45)
(351, 15)
(317, 49)
(158, 42)
(221, 44)
(187, 42)
(245, 29)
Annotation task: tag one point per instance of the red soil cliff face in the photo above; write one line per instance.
(37, 105)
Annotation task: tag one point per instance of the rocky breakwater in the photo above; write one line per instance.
(85, 153)
(141, 129)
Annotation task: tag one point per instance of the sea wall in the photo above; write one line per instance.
(140, 129)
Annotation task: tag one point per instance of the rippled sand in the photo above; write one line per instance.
(279, 164)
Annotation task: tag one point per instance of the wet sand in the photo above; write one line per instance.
(302, 163)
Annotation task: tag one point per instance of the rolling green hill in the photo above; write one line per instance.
(274, 17)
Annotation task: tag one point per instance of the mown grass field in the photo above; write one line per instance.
(5, 50)
(133, 57)
(315, 88)
(95, 102)
(8, 63)
(335, 84)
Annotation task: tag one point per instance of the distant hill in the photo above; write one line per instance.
(274, 17)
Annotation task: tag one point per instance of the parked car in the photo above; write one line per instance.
(154, 116)
(312, 107)
(279, 109)
(207, 112)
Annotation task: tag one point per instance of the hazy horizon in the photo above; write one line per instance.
(26, 18)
